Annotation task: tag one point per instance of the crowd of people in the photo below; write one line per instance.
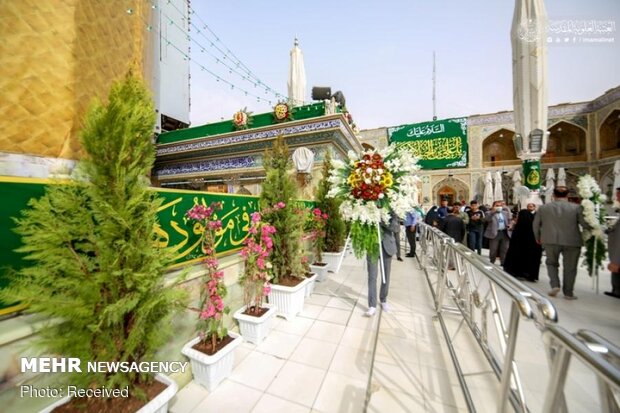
(516, 238)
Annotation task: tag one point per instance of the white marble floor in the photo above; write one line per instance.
(320, 362)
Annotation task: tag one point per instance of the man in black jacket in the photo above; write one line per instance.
(453, 224)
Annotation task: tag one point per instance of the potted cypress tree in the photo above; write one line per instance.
(96, 268)
(335, 227)
(279, 189)
(255, 317)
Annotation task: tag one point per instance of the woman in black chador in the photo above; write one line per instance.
(523, 256)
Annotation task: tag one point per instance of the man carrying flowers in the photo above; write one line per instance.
(388, 249)
(376, 187)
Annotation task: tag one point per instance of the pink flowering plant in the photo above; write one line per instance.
(315, 228)
(257, 272)
(211, 307)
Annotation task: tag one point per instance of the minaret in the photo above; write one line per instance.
(296, 76)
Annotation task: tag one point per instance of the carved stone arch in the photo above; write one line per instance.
(498, 148)
(452, 189)
(604, 114)
(569, 122)
(609, 133)
(491, 130)
(567, 142)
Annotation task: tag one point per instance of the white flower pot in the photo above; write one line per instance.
(320, 271)
(209, 371)
(333, 260)
(310, 285)
(289, 301)
(255, 329)
(158, 405)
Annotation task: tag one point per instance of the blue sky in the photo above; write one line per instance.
(379, 53)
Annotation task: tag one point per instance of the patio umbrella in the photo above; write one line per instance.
(297, 77)
(529, 67)
(549, 185)
(616, 177)
(497, 188)
(561, 177)
(487, 198)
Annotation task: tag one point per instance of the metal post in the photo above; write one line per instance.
(594, 266)
(381, 254)
(508, 360)
(442, 274)
(555, 402)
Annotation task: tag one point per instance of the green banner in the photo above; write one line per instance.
(532, 173)
(183, 236)
(439, 144)
(173, 231)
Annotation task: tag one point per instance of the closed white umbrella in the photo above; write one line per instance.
(479, 189)
(616, 177)
(549, 185)
(487, 198)
(561, 177)
(497, 190)
(516, 185)
(297, 77)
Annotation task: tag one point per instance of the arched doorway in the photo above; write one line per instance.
(498, 149)
(610, 134)
(567, 143)
(448, 193)
(452, 189)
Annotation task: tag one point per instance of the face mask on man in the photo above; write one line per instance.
(498, 209)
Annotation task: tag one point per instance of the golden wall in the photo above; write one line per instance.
(55, 57)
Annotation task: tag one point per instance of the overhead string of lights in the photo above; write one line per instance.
(202, 67)
(228, 55)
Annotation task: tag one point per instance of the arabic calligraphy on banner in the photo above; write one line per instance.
(173, 229)
(182, 236)
(438, 145)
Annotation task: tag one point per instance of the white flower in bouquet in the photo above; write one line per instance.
(591, 196)
(372, 184)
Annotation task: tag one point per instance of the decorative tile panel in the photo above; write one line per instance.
(208, 166)
(250, 136)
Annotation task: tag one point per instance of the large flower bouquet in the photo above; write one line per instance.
(371, 185)
(591, 196)
(211, 307)
(256, 274)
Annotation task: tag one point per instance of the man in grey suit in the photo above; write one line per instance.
(388, 243)
(498, 222)
(613, 246)
(556, 227)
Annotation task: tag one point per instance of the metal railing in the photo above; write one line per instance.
(599, 355)
(466, 284)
